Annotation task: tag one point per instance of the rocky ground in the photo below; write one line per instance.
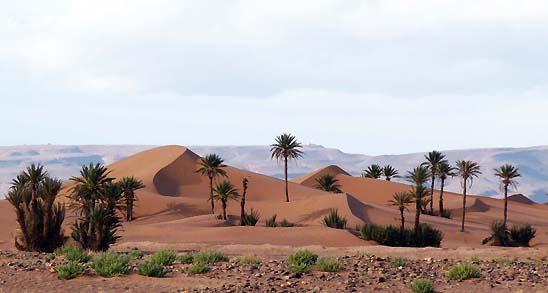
(33, 272)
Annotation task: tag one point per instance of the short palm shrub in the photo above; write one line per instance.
(252, 218)
(109, 264)
(392, 236)
(523, 234)
(135, 254)
(209, 257)
(186, 258)
(463, 271)
(164, 257)
(301, 261)
(271, 222)
(248, 260)
(151, 268)
(328, 264)
(70, 270)
(285, 223)
(333, 220)
(518, 235)
(422, 286)
(73, 253)
(398, 262)
(199, 268)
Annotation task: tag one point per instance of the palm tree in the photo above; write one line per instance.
(401, 200)
(34, 175)
(419, 176)
(389, 172)
(129, 186)
(88, 188)
(212, 166)
(507, 174)
(420, 194)
(374, 171)
(467, 171)
(287, 148)
(225, 191)
(445, 170)
(245, 183)
(433, 161)
(328, 183)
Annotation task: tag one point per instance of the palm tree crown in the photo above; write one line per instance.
(401, 200)
(445, 170)
(508, 173)
(420, 175)
(389, 172)
(467, 170)
(374, 171)
(328, 183)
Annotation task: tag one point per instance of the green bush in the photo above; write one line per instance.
(333, 220)
(301, 261)
(271, 222)
(391, 236)
(446, 214)
(164, 257)
(328, 264)
(422, 286)
(252, 218)
(399, 262)
(475, 259)
(247, 260)
(462, 272)
(108, 264)
(209, 257)
(70, 270)
(499, 235)
(151, 268)
(135, 254)
(522, 234)
(199, 268)
(73, 253)
(186, 258)
(286, 223)
(519, 235)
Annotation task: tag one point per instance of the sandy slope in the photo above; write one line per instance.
(173, 208)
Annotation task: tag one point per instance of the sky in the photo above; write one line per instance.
(372, 77)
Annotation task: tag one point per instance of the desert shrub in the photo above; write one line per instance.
(164, 257)
(252, 218)
(499, 235)
(301, 261)
(186, 258)
(73, 253)
(151, 268)
(522, 234)
(248, 260)
(135, 254)
(286, 223)
(392, 236)
(219, 217)
(271, 222)
(475, 259)
(209, 257)
(446, 214)
(505, 260)
(199, 268)
(333, 220)
(328, 264)
(398, 262)
(108, 264)
(463, 271)
(422, 286)
(70, 270)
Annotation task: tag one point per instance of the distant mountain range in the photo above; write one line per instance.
(66, 161)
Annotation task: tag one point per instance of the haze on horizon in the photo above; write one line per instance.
(372, 77)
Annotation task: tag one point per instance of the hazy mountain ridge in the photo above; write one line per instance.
(66, 161)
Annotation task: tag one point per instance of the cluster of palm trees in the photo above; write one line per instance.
(375, 171)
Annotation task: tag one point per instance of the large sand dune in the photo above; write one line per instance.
(173, 208)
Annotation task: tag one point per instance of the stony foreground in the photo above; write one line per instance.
(33, 272)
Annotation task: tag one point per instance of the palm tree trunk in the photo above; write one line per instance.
(441, 196)
(129, 214)
(211, 195)
(417, 215)
(242, 212)
(463, 204)
(286, 184)
(505, 203)
(224, 209)
(402, 221)
(432, 195)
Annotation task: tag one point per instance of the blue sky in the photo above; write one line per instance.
(373, 77)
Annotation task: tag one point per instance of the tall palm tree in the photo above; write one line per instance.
(129, 186)
(389, 172)
(89, 186)
(245, 183)
(419, 176)
(467, 171)
(433, 161)
(225, 191)
(401, 200)
(328, 183)
(507, 174)
(34, 175)
(420, 194)
(374, 171)
(445, 170)
(212, 166)
(286, 148)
